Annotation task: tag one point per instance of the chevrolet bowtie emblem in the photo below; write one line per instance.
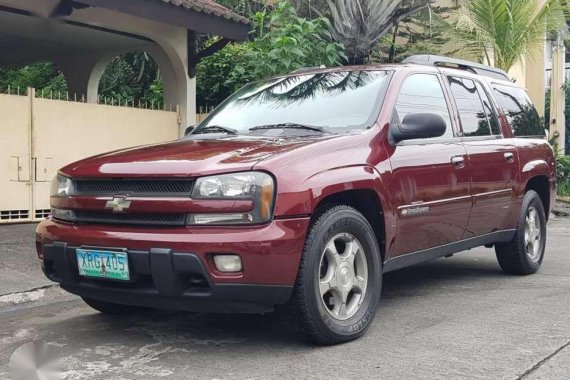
(118, 205)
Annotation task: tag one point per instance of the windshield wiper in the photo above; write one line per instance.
(290, 126)
(217, 129)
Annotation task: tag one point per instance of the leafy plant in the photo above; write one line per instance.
(213, 72)
(132, 77)
(421, 33)
(283, 42)
(360, 24)
(563, 175)
(44, 77)
(501, 32)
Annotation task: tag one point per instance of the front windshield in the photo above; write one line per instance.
(337, 102)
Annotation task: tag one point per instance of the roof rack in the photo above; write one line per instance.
(476, 68)
(307, 69)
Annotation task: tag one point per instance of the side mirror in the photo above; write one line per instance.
(418, 126)
(189, 130)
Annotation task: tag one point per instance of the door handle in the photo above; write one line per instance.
(458, 161)
(509, 157)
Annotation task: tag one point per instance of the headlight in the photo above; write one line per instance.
(61, 186)
(256, 186)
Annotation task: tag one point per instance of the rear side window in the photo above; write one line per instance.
(521, 114)
(422, 93)
(474, 108)
(491, 114)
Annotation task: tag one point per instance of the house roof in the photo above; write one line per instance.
(208, 7)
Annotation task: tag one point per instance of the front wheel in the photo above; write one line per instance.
(339, 281)
(524, 254)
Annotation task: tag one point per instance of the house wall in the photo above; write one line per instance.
(39, 136)
(83, 69)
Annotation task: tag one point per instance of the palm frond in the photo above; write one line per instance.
(504, 31)
(359, 24)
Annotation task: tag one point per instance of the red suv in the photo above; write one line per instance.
(302, 190)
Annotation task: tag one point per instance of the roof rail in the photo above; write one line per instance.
(307, 69)
(439, 61)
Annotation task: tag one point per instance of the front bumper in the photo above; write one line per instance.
(173, 268)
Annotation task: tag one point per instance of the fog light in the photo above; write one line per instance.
(228, 263)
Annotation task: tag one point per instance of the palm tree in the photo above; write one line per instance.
(501, 32)
(359, 24)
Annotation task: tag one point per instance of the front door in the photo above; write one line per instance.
(429, 179)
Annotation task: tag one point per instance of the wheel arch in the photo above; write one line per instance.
(364, 191)
(540, 184)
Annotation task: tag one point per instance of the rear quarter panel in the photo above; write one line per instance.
(536, 159)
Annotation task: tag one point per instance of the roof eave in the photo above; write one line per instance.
(180, 16)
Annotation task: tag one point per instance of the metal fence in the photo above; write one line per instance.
(80, 98)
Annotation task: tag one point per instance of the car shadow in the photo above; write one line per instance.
(222, 330)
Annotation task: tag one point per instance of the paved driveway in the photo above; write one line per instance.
(19, 269)
(457, 318)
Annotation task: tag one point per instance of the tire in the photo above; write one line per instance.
(524, 254)
(112, 308)
(340, 278)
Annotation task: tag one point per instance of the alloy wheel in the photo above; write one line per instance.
(343, 276)
(533, 235)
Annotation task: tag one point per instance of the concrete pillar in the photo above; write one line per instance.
(535, 78)
(83, 74)
(179, 89)
(170, 53)
(558, 97)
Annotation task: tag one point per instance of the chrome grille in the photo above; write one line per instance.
(130, 219)
(177, 188)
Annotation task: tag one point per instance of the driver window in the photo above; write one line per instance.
(422, 93)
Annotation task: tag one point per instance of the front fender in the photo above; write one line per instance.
(338, 180)
(326, 183)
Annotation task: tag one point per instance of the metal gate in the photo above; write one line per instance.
(15, 162)
(38, 136)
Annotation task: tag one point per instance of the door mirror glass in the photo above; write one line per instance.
(418, 126)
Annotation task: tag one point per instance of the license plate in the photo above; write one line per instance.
(103, 264)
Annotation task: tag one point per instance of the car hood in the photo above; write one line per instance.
(187, 158)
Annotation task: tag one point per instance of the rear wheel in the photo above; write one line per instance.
(524, 254)
(112, 308)
(340, 279)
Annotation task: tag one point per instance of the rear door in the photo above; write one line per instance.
(492, 160)
(429, 181)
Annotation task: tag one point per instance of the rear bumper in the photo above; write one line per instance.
(173, 268)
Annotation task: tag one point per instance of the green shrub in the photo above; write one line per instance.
(563, 175)
(283, 42)
(213, 72)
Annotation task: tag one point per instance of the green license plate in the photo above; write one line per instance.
(103, 264)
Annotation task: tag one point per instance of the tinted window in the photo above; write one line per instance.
(520, 111)
(472, 113)
(422, 93)
(491, 115)
(337, 102)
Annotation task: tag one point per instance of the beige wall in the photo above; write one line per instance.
(55, 133)
(14, 156)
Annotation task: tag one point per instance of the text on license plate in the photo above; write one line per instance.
(103, 264)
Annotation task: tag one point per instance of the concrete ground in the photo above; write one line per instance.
(19, 269)
(457, 318)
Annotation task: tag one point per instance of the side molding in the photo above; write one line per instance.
(414, 258)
